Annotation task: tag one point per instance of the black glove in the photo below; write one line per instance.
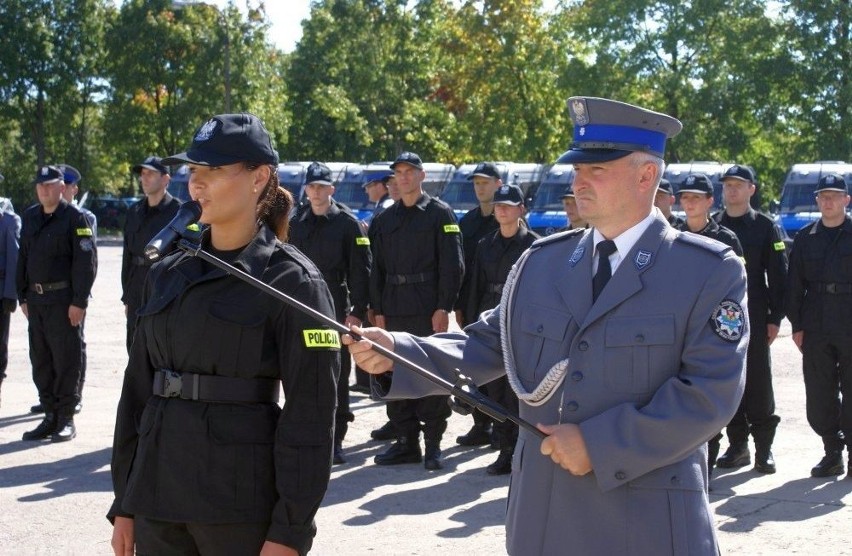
(9, 305)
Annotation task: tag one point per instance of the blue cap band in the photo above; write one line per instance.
(600, 136)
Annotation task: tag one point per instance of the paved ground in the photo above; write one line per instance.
(53, 497)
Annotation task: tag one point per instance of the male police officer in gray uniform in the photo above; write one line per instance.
(627, 371)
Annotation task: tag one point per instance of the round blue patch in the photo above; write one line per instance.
(728, 321)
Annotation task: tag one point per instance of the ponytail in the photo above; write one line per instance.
(274, 206)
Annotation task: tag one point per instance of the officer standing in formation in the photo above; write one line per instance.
(57, 264)
(145, 219)
(204, 460)
(819, 306)
(765, 259)
(476, 224)
(569, 202)
(417, 271)
(494, 257)
(664, 199)
(696, 199)
(627, 371)
(10, 232)
(71, 177)
(376, 187)
(333, 240)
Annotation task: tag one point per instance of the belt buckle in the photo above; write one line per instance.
(172, 384)
(39, 290)
(401, 279)
(831, 288)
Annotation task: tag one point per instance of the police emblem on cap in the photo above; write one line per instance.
(643, 259)
(206, 131)
(581, 115)
(690, 180)
(576, 255)
(728, 321)
(504, 189)
(44, 170)
(829, 180)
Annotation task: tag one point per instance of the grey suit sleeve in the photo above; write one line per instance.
(626, 441)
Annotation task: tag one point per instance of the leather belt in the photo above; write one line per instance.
(399, 279)
(832, 288)
(213, 388)
(49, 286)
(493, 287)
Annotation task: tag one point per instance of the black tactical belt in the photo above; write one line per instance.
(212, 388)
(49, 287)
(140, 261)
(399, 279)
(493, 287)
(832, 288)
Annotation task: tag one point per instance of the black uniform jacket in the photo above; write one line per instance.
(765, 257)
(492, 262)
(142, 224)
(341, 251)
(820, 290)
(420, 245)
(205, 462)
(474, 226)
(717, 232)
(57, 247)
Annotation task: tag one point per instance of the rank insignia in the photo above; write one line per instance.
(728, 321)
(576, 255)
(643, 259)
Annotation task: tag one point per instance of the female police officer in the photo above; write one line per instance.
(204, 460)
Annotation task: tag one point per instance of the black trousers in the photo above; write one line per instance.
(343, 416)
(163, 538)
(433, 411)
(756, 413)
(56, 354)
(827, 367)
(4, 342)
(131, 324)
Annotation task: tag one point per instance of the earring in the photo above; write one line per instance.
(254, 190)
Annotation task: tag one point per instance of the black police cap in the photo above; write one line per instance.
(696, 183)
(666, 185)
(49, 174)
(738, 172)
(318, 173)
(508, 195)
(151, 163)
(832, 182)
(410, 158)
(227, 139)
(486, 170)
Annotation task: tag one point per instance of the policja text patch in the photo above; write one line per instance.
(321, 338)
(452, 229)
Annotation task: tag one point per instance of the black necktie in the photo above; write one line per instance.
(604, 273)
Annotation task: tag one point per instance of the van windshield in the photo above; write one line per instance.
(460, 195)
(549, 196)
(351, 194)
(799, 197)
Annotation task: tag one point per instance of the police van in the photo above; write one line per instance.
(350, 190)
(797, 207)
(179, 184)
(459, 193)
(546, 213)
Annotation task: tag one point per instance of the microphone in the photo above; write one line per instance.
(187, 214)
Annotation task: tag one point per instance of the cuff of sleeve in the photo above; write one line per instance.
(81, 303)
(299, 538)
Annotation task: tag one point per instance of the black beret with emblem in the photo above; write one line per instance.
(696, 183)
(832, 182)
(228, 139)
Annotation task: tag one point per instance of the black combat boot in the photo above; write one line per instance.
(764, 462)
(406, 449)
(338, 456)
(44, 429)
(478, 435)
(432, 460)
(829, 466)
(340, 430)
(385, 432)
(65, 429)
(37, 408)
(503, 465)
(712, 453)
(737, 455)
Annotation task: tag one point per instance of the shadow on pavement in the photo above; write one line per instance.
(81, 473)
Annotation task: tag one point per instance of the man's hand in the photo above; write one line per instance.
(274, 549)
(380, 322)
(371, 316)
(362, 351)
(351, 321)
(771, 333)
(25, 311)
(798, 339)
(76, 314)
(122, 537)
(440, 321)
(9, 305)
(566, 447)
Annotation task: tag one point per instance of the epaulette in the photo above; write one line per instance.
(558, 236)
(711, 245)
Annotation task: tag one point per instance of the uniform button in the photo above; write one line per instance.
(572, 406)
(583, 346)
(640, 338)
(540, 328)
(576, 376)
(620, 475)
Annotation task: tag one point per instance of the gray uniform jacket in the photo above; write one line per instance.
(656, 369)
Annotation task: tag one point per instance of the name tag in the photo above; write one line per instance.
(321, 338)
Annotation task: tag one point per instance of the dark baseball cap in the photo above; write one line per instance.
(832, 182)
(508, 195)
(49, 174)
(666, 185)
(486, 170)
(318, 173)
(696, 183)
(227, 139)
(569, 191)
(412, 159)
(151, 163)
(607, 130)
(378, 176)
(738, 172)
(70, 174)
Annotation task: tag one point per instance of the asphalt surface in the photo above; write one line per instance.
(53, 496)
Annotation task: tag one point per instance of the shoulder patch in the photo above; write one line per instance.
(361, 240)
(452, 229)
(83, 232)
(321, 338)
(728, 321)
(559, 236)
(778, 245)
(704, 242)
